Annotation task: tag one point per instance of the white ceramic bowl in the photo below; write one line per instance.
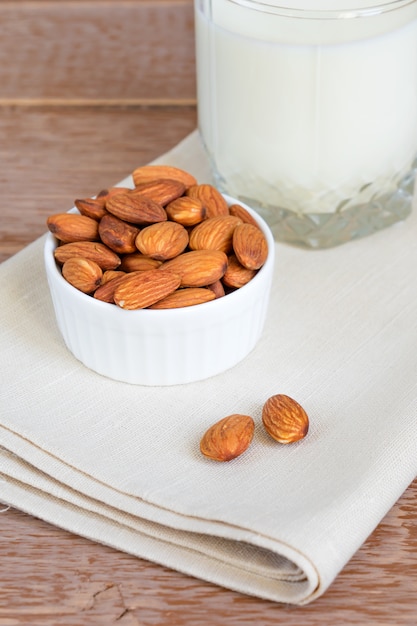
(161, 347)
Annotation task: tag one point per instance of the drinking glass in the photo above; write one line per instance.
(307, 110)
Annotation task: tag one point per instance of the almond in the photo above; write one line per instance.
(250, 246)
(161, 191)
(110, 274)
(92, 250)
(137, 262)
(162, 241)
(147, 173)
(240, 212)
(117, 234)
(104, 194)
(211, 198)
(198, 268)
(82, 274)
(284, 419)
(189, 296)
(135, 208)
(215, 233)
(142, 289)
(105, 292)
(91, 207)
(228, 438)
(236, 275)
(217, 288)
(69, 227)
(186, 211)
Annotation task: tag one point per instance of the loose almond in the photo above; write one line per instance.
(250, 246)
(147, 173)
(215, 233)
(198, 268)
(82, 274)
(190, 296)
(142, 289)
(211, 198)
(284, 419)
(162, 241)
(228, 438)
(92, 250)
(69, 227)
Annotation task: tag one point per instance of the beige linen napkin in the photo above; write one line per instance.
(120, 463)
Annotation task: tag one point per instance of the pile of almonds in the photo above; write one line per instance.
(283, 418)
(169, 242)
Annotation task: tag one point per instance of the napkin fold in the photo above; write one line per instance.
(120, 464)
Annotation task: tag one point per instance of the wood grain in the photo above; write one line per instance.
(50, 156)
(49, 577)
(96, 51)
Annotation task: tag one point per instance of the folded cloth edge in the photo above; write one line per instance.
(285, 575)
(315, 590)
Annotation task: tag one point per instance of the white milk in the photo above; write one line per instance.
(310, 115)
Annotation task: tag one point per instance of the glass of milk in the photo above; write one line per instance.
(308, 111)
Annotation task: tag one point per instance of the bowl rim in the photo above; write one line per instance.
(231, 299)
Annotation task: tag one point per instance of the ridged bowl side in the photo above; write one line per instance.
(161, 347)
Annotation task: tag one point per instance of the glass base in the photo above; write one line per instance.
(326, 230)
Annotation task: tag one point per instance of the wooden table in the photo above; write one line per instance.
(95, 89)
(48, 577)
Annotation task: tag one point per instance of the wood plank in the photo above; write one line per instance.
(96, 51)
(50, 156)
(49, 577)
